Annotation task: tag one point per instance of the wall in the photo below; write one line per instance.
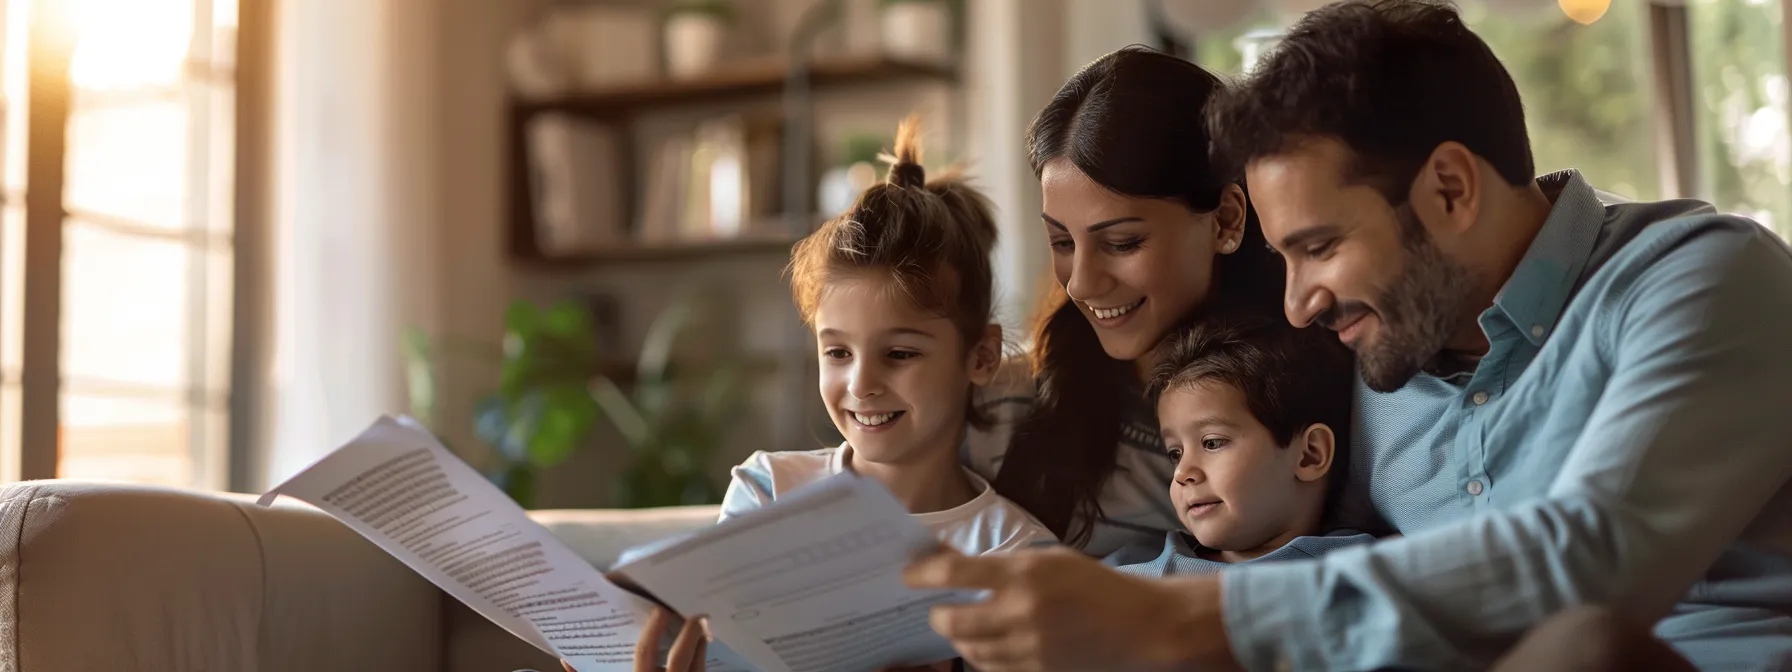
(354, 131)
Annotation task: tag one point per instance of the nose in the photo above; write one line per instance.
(866, 381)
(1089, 278)
(1189, 474)
(1305, 301)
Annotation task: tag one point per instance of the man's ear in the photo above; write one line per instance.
(1317, 445)
(1228, 219)
(1446, 194)
(986, 356)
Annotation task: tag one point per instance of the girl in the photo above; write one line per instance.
(898, 293)
(1143, 232)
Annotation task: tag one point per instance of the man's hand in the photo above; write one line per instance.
(1058, 610)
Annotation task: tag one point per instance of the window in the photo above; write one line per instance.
(1586, 90)
(143, 339)
(1739, 79)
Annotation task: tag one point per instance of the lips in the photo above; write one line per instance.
(1349, 331)
(1198, 509)
(1112, 313)
(874, 420)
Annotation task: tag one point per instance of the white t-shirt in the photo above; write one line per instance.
(989, 523)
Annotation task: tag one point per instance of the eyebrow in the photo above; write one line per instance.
(1092, 227)
(1210, 421)
(1299, 238)
(898, 331)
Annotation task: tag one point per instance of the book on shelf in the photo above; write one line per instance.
(719, 181)
(576, 183)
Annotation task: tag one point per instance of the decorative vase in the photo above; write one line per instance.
(532, 66)
(693, 43)
(916, 30)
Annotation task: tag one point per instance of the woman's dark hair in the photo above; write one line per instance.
(1132, 122)
(1291, 378)
(1392, 80)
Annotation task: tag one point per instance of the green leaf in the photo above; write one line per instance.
(622, 413)
(522, 318)
(568, 321)
(506, 427)
(518, 481)
(566, 418)
(722, 394)
(662, 337)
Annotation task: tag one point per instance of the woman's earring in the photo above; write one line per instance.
(1230, 246)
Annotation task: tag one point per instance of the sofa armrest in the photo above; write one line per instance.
(117, 577)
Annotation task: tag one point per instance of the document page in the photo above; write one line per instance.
(812, 583)
(397, 486)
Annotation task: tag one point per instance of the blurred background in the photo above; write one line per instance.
(234, 232)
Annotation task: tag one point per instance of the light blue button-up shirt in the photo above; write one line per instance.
(1627, 440)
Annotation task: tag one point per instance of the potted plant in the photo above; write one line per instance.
(916, 30)
(695, 30)
(673, 418)
(551, 394)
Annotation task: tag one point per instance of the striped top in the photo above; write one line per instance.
(1135, 502)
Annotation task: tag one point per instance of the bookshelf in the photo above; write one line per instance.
(750, 78)
(620, 103)
(645, 253)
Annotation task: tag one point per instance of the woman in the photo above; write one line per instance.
(1143, 232)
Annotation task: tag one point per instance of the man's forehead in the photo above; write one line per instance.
(1303, 188)
(1307, 164)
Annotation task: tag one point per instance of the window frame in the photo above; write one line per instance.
(48, 110)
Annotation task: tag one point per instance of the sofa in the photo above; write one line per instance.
(123, 578)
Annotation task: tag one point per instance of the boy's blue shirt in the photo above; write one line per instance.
(1179, 554)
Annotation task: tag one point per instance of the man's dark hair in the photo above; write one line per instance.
(1291, 378)
(1392, 80)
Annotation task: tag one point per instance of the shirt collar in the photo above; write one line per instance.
(1533, 298)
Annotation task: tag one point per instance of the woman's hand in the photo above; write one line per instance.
(687, 653)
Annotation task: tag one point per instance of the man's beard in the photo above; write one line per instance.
(1419, 310)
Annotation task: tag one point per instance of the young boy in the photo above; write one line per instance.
(1257, 415)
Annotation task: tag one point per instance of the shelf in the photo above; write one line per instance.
(672, 252)
(758, 77)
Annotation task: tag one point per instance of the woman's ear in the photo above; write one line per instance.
(1228, 219)
(1317, 445)
(986, 356)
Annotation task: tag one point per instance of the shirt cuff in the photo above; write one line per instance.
(1267, 610)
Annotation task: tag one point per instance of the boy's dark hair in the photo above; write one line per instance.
(1291, 378)
(1392, 80)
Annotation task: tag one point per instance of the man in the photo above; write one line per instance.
(1569, 404)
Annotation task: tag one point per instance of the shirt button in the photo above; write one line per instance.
(1480, 398)
(1474, 488)
(1536, 331)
